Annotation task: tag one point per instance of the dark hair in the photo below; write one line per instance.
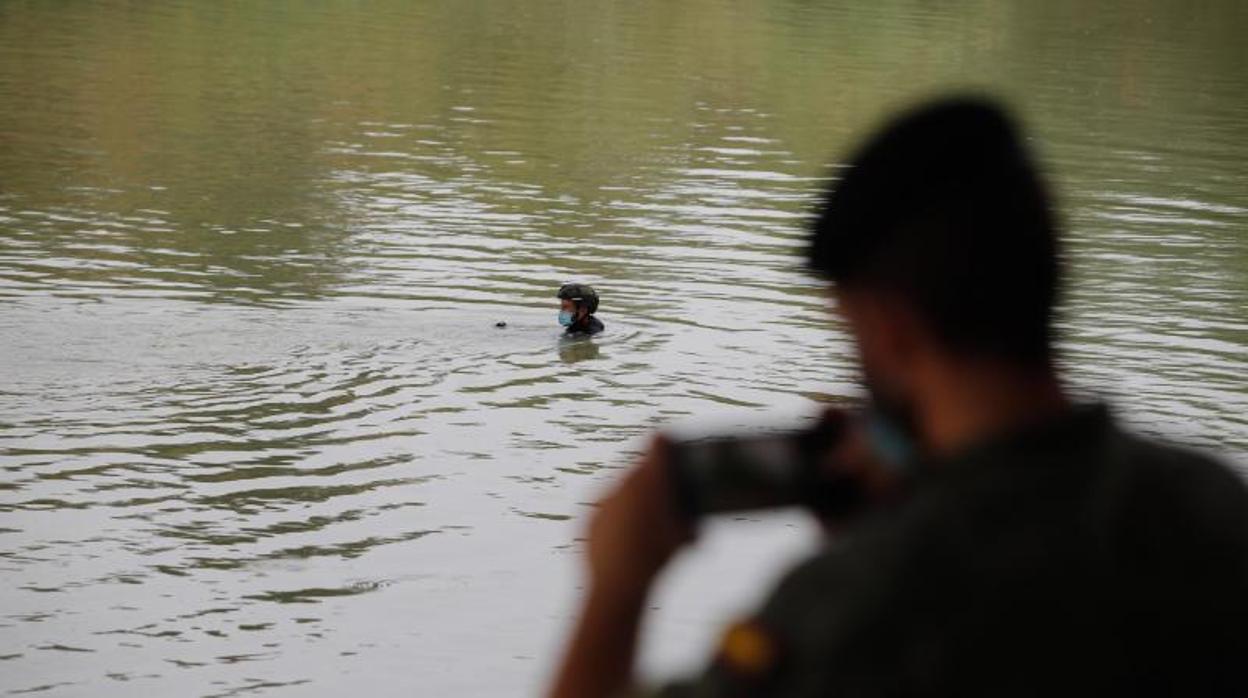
(945, 209)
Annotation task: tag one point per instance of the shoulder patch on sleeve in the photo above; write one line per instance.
(748, 649)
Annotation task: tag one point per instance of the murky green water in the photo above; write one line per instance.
(258, 434)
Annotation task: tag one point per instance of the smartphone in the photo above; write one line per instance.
(722, 473)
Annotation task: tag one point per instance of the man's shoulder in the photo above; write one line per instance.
(1169, 457)
(592, 326)
(1132, 483)
(1182, 486)
(1150, 463)
(1089, 453)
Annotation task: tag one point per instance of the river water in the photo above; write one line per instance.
(259, 434)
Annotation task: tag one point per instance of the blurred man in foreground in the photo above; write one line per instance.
(1029, 546)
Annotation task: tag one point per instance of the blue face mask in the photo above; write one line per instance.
(892, 443)
(565, 318)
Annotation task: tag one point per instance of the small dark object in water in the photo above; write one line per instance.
(500, 323)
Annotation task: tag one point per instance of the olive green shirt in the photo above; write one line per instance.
(1073, 559)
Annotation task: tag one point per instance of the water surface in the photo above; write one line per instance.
(258, 432)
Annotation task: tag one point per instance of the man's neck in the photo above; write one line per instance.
(968, 402)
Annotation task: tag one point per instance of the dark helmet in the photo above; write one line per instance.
(583, 295)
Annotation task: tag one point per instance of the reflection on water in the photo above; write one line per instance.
(259, 430)
(575, 349)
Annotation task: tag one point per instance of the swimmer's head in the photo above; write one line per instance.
(576, 302)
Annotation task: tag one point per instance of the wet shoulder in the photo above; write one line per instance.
(592, 327)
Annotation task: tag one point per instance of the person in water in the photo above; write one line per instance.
(577, 305)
